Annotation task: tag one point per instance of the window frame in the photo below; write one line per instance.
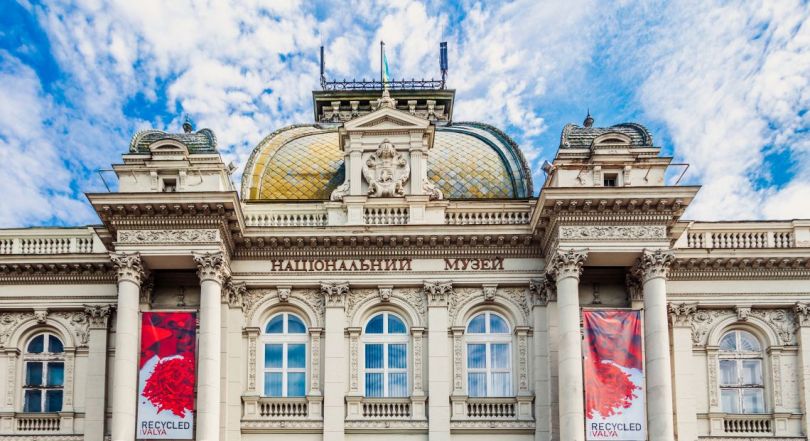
(46, 357)
(488, 339)
(284, 339)
(739, 356)
(386, 340)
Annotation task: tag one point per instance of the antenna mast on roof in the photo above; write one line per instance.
(443, 62)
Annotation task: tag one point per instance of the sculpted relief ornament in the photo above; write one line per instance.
(613, 232)
(129, 267)
(335, 293)
(654, 264)
(386, 172)
(566, 263)
(163, 236)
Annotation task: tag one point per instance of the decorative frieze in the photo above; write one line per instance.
(458, 367)
(79, 323)
(252, 335)
(418, 387)
(9, 321)
(523, 359)
(354, 360)
(168, 236)
(702, 322)
(613, 232)
(315, 360)
(781, 321)
(733, 268)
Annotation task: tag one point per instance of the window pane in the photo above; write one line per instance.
(375, 325)
(476, 356)
(55, 345)
(272, 384)
(296, 356)
(728, 372)
(477, 384)
(753, 401)
(497, 325)
(748, 342)
(374, 356)
(272, 356)
(395, 325)
(295, 325)
(53, 401)
(500, 356)
(397, 356)
(36, 345)
(276, 326)
(56, 374)
(398, 384)
(33, 401)
(728, 342)
(296, 384)
(477, 325)
(501, 384)
(752, 372)
(374, 385)
(33, 374)
(730, 402)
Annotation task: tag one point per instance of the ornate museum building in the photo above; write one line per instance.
(387, 271)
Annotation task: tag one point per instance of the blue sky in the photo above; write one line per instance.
(724, 86)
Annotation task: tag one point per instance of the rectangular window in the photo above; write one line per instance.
(273, 384)
(296, 384)
(374, 385)
(56, 374)
(33, 401)
(752, 401)
(611, 180)
(53, 401)
(169, 185)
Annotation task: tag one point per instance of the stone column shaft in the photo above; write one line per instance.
(125, 368)
(334, 378)
(212, 270)
(565, 267)
(95, 403)
(438, 360)
(654, 266)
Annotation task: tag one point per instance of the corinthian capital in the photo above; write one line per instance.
(438, 293)
(802, 311)
(681, 313)
(98, 315)
(655, 263)
(129, 266)
(335, 293)
(212, 266)
(566, 263)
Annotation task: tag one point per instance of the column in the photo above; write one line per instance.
(95, 405)
(565, 267)
(654, 266)
(542, 293)
(803, 320)
(212, 269)
(683, 364)
(334, 378)
(125, 368)
(438, 360)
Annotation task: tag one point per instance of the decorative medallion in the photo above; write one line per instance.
(386, 172)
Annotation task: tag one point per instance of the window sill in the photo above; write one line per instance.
(746, 425)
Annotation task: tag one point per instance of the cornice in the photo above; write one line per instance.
(722, 268)
(48, 272)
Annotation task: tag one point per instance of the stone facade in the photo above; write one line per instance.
(604, 232)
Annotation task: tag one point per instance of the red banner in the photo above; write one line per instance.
(614, 377)
(166, 376)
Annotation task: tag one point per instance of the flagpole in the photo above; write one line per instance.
(382, 49)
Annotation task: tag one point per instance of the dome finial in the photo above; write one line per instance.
(588, 119)
(187, 125)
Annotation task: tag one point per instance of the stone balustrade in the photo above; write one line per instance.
(460, 215)
(386, 408)
(37, 423)
(385, 215)
(747, 424)
(745, 235)
(26, 241)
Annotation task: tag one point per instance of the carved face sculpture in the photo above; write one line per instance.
(386, 171)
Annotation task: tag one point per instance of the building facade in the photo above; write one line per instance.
(386, 270)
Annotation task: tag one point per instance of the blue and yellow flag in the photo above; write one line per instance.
(386, 75)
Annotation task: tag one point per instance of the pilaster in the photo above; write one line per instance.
(802, 311)
(95, 403)
(541, 292)
(334, 382)
(439, 386)
(684, 365)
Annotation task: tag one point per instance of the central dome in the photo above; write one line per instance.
(467, 161)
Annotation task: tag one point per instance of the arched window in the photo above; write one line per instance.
(489, 356)
(285, 356)
(741, 385)
(385, 341)
(44, 381)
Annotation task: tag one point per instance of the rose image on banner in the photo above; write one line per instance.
(167, 375)
(613, 374)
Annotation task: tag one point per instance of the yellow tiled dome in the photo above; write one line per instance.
(468, 161)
